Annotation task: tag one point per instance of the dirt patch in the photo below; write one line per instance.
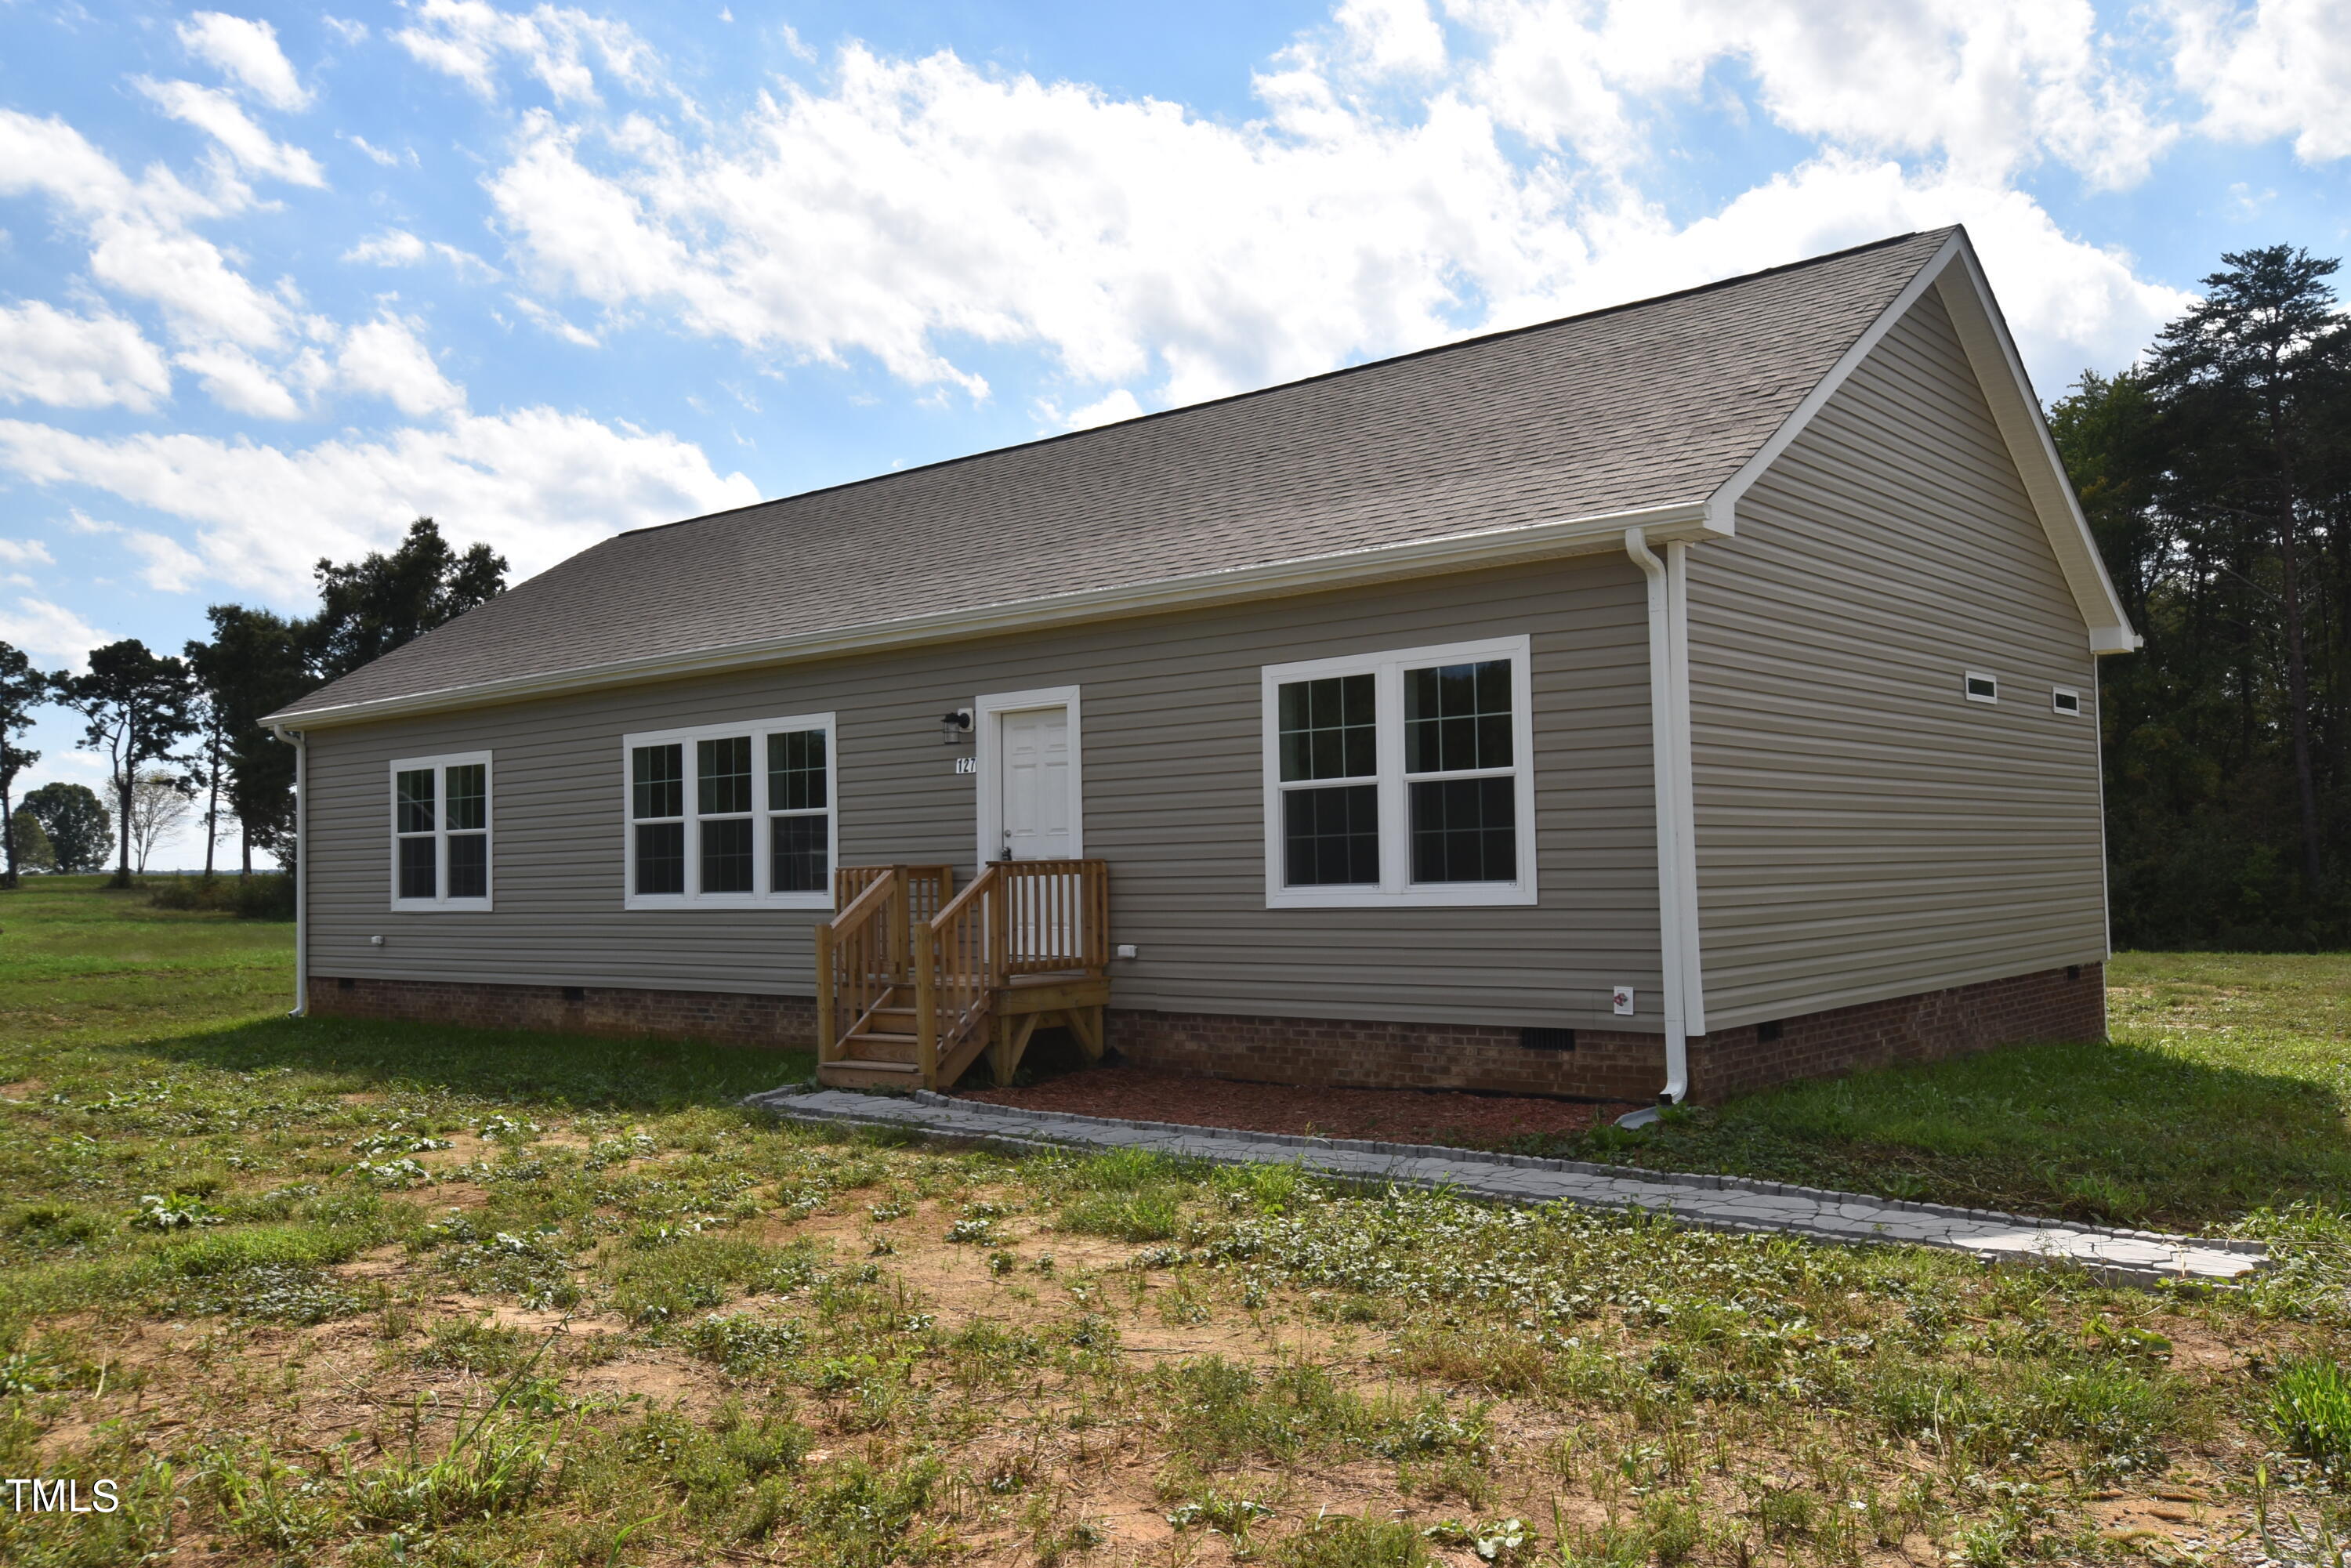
(1389, 1116)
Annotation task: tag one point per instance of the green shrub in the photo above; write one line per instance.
(264, 895)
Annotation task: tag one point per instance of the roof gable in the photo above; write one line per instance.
(1956, 276)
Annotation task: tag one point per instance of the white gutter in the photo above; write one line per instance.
(1665, 714)
(1512, 544)
(300, 742)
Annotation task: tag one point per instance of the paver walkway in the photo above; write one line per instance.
(1722, 1203)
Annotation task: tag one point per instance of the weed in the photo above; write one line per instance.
(2310, 1410)
(1349, 1541)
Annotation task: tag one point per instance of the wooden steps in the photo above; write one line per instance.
(915, 981)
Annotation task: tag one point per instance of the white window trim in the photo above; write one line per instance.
(442, 902)
(1968, 680)
(2057, 701)
(1394, 889)
(988, 711)
(762, 894)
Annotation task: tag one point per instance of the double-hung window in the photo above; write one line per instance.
(441, 832)
(1400, 777)
(731, 814)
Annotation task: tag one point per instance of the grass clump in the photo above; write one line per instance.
(2310, 1411)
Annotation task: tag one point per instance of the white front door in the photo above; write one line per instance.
(1038, 804)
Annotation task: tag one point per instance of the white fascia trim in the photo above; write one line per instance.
(987, 757)
(1983, 332)
(1956, 274)
(1721, 506)
(1506, 545)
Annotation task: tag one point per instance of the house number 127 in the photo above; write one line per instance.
(966, 764)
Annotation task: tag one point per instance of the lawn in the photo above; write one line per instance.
(317, 1292)
(2226, 1088)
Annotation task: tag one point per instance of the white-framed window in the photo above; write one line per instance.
(441, 832)
(730, 814)
(1980, 687)
(2065, 700)
(1400, 777)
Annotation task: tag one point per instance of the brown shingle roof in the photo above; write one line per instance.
(1644, 404)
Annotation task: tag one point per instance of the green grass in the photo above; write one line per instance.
(2226, 1089)
(367, 1293)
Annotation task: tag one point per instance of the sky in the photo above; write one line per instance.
(275, 281)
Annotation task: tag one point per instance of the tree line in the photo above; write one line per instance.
(2216, 474)
(176, 729)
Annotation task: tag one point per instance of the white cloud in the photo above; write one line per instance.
(385, 158)
(218, 116)
(536, 483)
(2284, 71)
(911, 206)
(385, 359)
(248, 51)
(50, 630)
(1120, 404)
(552, 321)
(169, 566)
(469, 39)
(393, 247)
(239, 382)
(138, 233)
(348, 31)
(1990, 85)
(1392, 35)
(398, 247)
(78, 361)
(26, 552)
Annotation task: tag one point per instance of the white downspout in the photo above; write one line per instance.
(300, 742)
(1662, 710)
(1685, 791)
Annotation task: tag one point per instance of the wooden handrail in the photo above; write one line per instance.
(852, 966)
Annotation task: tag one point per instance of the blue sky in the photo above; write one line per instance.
(274, 281)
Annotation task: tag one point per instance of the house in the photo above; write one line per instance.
(1671, 699)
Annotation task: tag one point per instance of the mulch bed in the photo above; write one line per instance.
(1386, 1116)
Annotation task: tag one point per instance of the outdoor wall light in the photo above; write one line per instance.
(955, 727)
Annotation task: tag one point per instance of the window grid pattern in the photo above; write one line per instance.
(760, 827)
(441, 833)
(1330, 730)
(1400, 777)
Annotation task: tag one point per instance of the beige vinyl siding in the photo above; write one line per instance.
(1863, 830)
(1173, 787)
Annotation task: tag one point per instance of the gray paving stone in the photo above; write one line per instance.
(1728, 1203)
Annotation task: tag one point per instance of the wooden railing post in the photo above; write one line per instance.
(926, 1007)
(999, 930)
(901, 904)
(827, 1043)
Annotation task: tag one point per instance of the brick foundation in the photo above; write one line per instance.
(1607, 1064)
(1604, 1064)
(729, 1018)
